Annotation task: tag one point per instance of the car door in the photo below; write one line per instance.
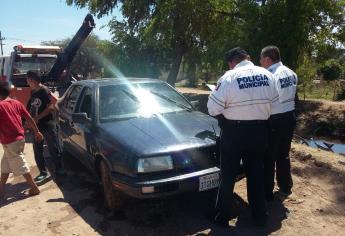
(66, 108)
(83, 137)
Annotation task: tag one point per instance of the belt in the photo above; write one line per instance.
(282, 115)
(245, 122)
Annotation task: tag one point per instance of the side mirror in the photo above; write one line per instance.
(80, 118)
(195, 104)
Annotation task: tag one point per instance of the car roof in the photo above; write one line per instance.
(115, 81)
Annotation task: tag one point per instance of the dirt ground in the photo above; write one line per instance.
(72, 205)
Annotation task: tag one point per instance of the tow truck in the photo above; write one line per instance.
(49, 61)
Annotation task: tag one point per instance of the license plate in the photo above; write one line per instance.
(208, 181)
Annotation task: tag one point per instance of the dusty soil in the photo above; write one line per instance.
(72, 205)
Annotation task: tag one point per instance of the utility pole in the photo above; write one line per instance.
(3, 59)
(1, 39)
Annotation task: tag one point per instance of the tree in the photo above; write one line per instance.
(299, 27)
(159, 35)
(306, 72)
(170, 29)
(331, 71)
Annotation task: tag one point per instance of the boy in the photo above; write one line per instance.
(13, 141)
(40, 108)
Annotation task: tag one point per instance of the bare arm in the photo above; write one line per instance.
(38, 135)
(44, 113)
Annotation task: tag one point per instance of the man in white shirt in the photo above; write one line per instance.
(243, 97)
(281, 123)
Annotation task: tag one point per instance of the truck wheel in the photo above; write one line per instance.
(112, 198)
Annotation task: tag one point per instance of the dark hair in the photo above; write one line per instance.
(4, 90)
(236, 55)
(272, 52)
(33, 75)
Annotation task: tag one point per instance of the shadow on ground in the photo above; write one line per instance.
(181, 215)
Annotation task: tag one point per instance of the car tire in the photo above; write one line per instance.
(112, 198)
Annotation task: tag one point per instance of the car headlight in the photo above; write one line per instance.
(153, 164)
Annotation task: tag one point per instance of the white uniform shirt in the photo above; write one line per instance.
(286, 83)
(244, 93)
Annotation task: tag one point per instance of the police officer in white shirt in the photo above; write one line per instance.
(243, 96)
(281, 123)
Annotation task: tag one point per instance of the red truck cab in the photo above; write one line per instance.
(22, 59)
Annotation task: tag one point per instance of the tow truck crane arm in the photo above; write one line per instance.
(65, 58)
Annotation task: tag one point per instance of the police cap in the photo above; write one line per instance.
(235, 52)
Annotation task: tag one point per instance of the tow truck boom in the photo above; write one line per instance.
(66, 56)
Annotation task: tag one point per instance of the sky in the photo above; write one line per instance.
(33, 21)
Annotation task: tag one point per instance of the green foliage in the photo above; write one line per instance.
(156, 37)
(331, 70)
(316, 91)
(306, 72)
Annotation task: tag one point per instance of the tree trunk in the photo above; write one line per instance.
(176, 64)
(304, 92)
(334, 90)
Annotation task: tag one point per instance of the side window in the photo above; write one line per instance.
(71, 99)
(86, 102)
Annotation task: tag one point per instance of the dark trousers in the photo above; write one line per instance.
(281, 128)
(248, 142)
(49, 133)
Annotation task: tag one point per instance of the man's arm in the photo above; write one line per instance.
(45, 112)
(32, 124)
(216, 100)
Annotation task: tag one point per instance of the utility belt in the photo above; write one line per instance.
(244, 122)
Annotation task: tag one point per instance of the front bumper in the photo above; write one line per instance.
(164, 187)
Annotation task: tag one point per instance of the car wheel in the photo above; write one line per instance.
(112, 198)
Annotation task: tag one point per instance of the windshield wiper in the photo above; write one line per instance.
(172, 101)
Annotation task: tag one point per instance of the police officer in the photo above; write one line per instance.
(281, 123)
(243, 96)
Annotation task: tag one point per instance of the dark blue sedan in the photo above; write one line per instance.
(140, 136)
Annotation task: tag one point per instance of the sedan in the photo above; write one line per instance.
(140, 136)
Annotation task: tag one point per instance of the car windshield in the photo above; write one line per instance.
(139, 100)
(41, 64)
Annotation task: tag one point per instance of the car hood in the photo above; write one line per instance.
(163, 133)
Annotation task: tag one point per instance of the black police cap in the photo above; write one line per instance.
(235, 52)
